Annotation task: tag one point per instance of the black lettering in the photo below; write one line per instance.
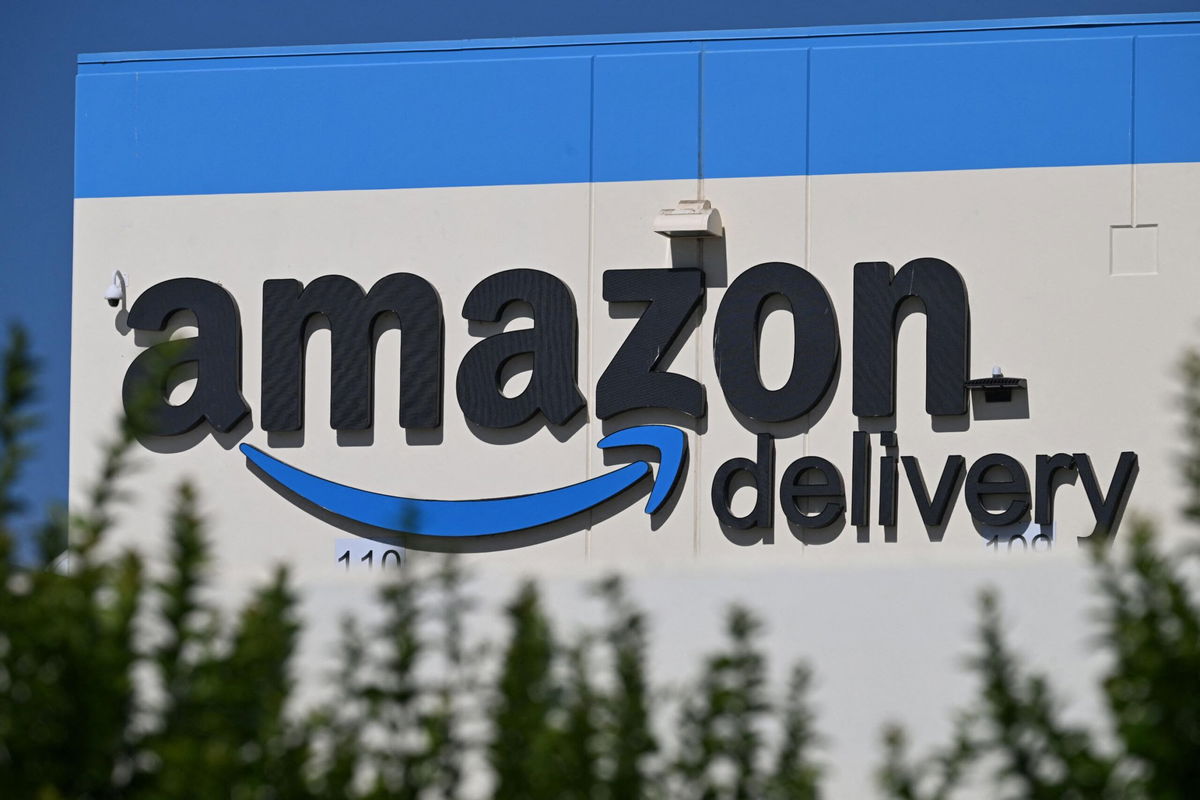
(552, 341)
(632, 379)
(877, 299)
(935, 512)
(216, 351)
(860, 479)
(889, 487)
(1107, 508)
(979, 487)
(736, 342)
(791, 490)
(1044, 473)
(762, 471)
(287, 308)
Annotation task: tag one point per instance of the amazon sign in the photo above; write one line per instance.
(811, 491)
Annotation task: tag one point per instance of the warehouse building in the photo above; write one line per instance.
(861, 319)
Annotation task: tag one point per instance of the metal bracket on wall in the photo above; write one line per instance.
(998, 388)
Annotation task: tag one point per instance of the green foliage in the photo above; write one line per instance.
(1190, 464)
(719, 726)
(797, 776)
(577, 746)
(67, 643)
(1039, 755)
(113, 685)
(626, 726)
(444, 723)
(1149, 626)
(723, 753)
(17, 371)
(522, 749)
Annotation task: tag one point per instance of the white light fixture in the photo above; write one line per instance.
(115, 292)
(689, 219)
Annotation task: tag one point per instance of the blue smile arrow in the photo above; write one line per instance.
(495, 515)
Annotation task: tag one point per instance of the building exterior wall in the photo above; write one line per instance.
(1055, 168)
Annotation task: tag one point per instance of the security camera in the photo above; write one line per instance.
(116, 290)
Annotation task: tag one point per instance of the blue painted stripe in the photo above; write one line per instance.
(756, 111)
(581, 111)
(1166, 98)
(1063, 102)
(645, 112)
(494, 121)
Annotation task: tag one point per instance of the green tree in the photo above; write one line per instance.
(626, 726)
(577, 750)
(18, 373)
(337, 727)
(1149, 626)
(1151, 629)
(720, 739)
(74, 722)
(394, 696)
(797, 775)
(67, 643)
(444, 724)
(528, 694)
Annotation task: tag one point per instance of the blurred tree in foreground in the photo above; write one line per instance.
(116, 684)
(1149, 630)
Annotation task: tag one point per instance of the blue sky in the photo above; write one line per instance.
(39, 40)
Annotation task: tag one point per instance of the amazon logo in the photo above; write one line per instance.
(635, 378)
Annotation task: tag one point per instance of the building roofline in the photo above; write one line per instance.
(827, 31)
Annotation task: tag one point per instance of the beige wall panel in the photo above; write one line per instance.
(885, 623)
(1166, 197)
